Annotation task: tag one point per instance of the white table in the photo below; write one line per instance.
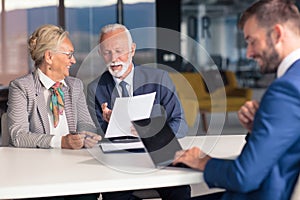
(52, 172)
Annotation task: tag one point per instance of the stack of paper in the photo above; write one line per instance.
(114, 146)
(125, 110)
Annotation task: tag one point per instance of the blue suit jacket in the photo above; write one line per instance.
(145, 80)
(269, 164)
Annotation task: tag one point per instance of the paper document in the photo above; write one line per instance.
(110, 147)
(127, 109)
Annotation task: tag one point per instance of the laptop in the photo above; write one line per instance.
(159, 141)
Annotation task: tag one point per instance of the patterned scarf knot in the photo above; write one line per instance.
(56, 102)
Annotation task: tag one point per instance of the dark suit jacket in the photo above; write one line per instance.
(269, 164)
(27, 111)
(145, 80)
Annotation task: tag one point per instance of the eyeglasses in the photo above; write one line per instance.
(69, 54)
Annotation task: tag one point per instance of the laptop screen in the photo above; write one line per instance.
(158, 138)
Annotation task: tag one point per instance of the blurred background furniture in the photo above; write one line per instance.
(187, 97)
(222, 96)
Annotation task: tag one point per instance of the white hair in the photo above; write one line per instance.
(111, 27)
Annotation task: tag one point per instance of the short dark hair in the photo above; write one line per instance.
(271, 12)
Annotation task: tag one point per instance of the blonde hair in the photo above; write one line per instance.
(45, 37)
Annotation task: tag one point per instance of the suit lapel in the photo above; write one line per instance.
(111, 87)
(138, 81)
(69, 105)
(41, 107)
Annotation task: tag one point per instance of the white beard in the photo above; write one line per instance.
(118, 73)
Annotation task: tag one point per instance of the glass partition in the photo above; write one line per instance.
(213, 25)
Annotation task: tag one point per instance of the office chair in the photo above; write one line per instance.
(4, 131)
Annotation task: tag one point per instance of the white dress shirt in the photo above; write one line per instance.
(128, 80)
(287, 62)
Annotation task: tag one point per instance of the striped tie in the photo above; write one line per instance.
(56, 102)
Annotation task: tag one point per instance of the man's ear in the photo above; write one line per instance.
(133, 46)
(277, 33)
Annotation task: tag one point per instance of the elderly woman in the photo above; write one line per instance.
(47, 108)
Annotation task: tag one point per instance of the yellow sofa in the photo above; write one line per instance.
(193, 93)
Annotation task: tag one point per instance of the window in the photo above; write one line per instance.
(140, 19)
(83, 20)
(18, 20)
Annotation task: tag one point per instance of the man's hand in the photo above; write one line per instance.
(90, 139)
(193, 157)
(72, 141)
(246, 114)
(106, 112)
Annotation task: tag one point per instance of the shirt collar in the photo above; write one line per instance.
(287, 62)
(46, 81)
(128, 79)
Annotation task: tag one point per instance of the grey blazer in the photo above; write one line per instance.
(27, 111)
